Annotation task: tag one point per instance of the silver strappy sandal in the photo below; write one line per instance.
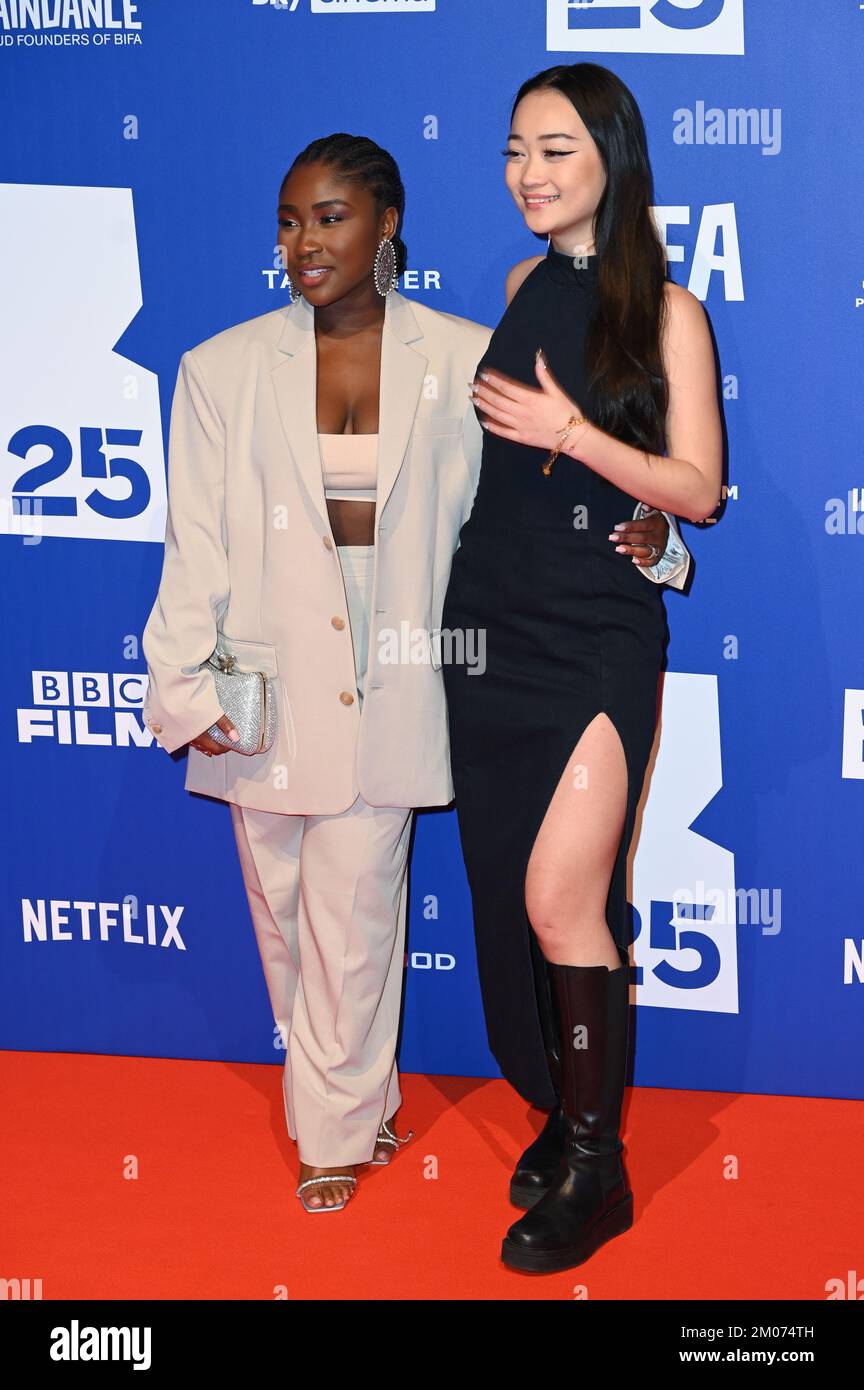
(316, 1182)
(387, 1136)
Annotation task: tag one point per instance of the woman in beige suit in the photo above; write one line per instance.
(322, 460)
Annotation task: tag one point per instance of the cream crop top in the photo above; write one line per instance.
(349, 466)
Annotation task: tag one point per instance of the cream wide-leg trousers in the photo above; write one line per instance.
(328, 899)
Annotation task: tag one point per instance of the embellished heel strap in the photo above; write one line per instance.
(388, 1136)
(329, 1177)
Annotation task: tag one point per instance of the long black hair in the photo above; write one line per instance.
(628, 390)
(358, 160)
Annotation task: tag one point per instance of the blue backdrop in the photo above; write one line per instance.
(144, 145)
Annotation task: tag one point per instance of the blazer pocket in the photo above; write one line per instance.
(251, 656)
(438, 424)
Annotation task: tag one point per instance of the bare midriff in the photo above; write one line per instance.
(352, 523)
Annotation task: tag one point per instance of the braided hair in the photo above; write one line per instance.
(358, 160)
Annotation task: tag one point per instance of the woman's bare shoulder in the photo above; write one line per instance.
(685, 325)
(519, 274)
(682, 305)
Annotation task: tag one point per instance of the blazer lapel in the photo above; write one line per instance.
(403, 369)
(294, 383)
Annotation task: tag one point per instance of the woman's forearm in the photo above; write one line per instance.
(670, 484)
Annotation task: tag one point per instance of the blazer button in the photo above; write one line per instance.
(328, 544)
(338, 623)
(346, 697)
(157, 728)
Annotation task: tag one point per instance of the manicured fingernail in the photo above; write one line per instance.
(233, 735)
(483, 376)
(619, 525)
(621, 549)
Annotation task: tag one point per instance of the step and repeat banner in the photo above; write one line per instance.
(143, 146)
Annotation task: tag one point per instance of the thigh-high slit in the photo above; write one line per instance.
(513, 728)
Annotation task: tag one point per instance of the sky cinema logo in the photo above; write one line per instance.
(354, 6)
(645, 26)
(372, 6)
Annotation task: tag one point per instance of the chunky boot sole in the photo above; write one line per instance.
(614, 1223)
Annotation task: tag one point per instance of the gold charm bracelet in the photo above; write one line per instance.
(568, 429)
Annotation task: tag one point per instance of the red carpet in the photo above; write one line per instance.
(212, 1212)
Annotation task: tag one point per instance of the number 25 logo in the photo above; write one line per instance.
(666, 935)
(95, 463)
(668, 12)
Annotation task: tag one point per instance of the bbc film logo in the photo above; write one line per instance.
(86, 708)
(645, 26)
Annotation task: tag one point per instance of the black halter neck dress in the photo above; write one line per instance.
(571, 629)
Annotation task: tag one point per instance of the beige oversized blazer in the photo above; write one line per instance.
(250, 561)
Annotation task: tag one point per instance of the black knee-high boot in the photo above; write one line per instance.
(537, 1166)
(589, 1200)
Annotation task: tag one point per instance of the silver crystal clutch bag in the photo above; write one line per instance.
(248, 699)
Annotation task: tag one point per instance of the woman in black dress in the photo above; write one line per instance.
(551, 742)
